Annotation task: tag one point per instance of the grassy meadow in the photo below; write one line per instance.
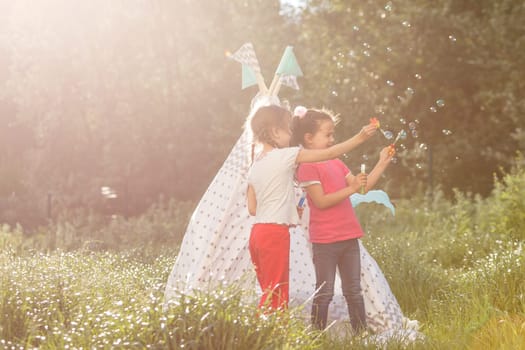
(457, 266)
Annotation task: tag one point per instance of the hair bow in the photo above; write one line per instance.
(300, 111)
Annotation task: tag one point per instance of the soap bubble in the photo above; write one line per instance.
(440, 103)
(388, 134)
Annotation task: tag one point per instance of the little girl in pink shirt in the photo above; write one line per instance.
(333, 228)
(271, 197)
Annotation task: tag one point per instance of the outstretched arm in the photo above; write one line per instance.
(385, 157)
(317, 155)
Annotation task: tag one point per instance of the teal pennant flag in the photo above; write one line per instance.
(248, 76)
(288, 64)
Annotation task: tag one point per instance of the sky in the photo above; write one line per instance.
(293, 2)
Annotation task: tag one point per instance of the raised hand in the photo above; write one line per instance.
(387, 154)
(358, 182)
(367, 131)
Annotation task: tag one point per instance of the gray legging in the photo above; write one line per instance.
(327, 257)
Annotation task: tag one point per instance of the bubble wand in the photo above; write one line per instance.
(402, 134)
(386, 134)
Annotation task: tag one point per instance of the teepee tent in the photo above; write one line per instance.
(215, 251)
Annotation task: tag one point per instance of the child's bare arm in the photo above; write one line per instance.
(326, 200)
(317, 155)
(385, 157)
(252, 200)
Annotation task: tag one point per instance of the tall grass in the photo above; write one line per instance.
(102, 300)
(456, 266)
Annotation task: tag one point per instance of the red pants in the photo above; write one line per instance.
(270, 253)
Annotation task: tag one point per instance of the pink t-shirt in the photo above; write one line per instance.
(339, 222)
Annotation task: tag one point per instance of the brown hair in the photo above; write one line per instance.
(265, 119)
(309, 123)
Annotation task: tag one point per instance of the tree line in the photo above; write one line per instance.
(109, 105)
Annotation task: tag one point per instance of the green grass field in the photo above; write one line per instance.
(458, 267)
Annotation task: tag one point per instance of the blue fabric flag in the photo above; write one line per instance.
(377, 196)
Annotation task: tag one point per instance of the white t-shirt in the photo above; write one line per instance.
(271, 177)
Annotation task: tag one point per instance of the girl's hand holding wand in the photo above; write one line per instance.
(367, 131)
(387, 153)
(358, 183)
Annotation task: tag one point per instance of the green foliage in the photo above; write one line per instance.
(396, 60)
(163, 224)
(223, 319)
(128, 95)
(465, 288)
(413, 283)
(501, 332)
(10, 238)
(139, 97)
(501, 273)
(461, 231)
(105, 300)
(504, 211)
